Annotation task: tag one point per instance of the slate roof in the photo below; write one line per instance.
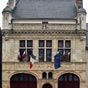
(45, 9)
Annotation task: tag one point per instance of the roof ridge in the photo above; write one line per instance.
(17, 2)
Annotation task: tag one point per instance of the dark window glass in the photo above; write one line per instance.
(41, 43)
(75, 78)
(48, 54)
(61, 78)
(65, 54)
(44, 22)
(48, 43)
(22, 43)
(16, 78)
(50, 75)
(25, 77)
(67, 43)
(44, 75)
(60, 43)
(29, 43)
(21, 77)
(41, 55)
(21, 51)
(69, 77)
(30, 51)
(66, 77)
(61, 51)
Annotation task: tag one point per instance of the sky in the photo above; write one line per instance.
(3, 3)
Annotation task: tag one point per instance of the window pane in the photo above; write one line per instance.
(21, 77)
(41, 55)
(75, 78)
(48, 43)
(22, 43)
(70, 77)
(44, 22)
(67, 43)
(21, 51)
(29, 43)
(60, 43)
(50, 75)
(61, 51)
(65, 54)
(48, 54)
(44, 75)
(66, 77)
(41, 43)
(30, 51)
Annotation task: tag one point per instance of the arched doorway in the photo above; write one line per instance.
(68, 80)
(23, 80)
(47, 85)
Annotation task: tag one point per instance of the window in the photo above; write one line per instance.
(44, 25)
(22, 43)
(44, 75)
(60, 43)
(27, 47)
(50, 75)
(45, 50)
(64, 46)
(69, 77)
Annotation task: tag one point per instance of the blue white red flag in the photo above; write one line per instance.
(19, 56)
(24, 55)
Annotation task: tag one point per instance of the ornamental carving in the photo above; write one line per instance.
(44, 26)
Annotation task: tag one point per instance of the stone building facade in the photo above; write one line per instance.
(87, 52)
(45, 26)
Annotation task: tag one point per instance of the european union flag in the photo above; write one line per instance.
(57, 59)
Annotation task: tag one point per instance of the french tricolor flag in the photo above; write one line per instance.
(32, 60)
(24, 54)
(19, 56)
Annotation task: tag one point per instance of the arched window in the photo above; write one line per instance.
(70, 80)
(23, 80)
(44, 75)
(47, 85)
(68, 77)
(50, 75)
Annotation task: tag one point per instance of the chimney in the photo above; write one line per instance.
(79, 3)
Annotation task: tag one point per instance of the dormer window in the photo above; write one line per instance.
(44, 25)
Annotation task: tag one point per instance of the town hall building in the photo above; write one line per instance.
(37, 30)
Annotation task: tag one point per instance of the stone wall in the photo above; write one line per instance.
(11, 46)
(41, 26)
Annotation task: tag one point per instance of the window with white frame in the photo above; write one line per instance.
(64, 46)
(45, 50)
(27, 47)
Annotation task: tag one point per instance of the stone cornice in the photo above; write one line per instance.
(43, 32)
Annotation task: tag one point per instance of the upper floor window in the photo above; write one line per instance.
(27, 47)
(45, 50)
(64, 46)
(44, 25)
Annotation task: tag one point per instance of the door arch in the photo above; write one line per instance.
(23, 80)
(47, 85)
(68, 80)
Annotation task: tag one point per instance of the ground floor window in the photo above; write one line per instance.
(68, 80)
(23, 80)
(47, 85)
